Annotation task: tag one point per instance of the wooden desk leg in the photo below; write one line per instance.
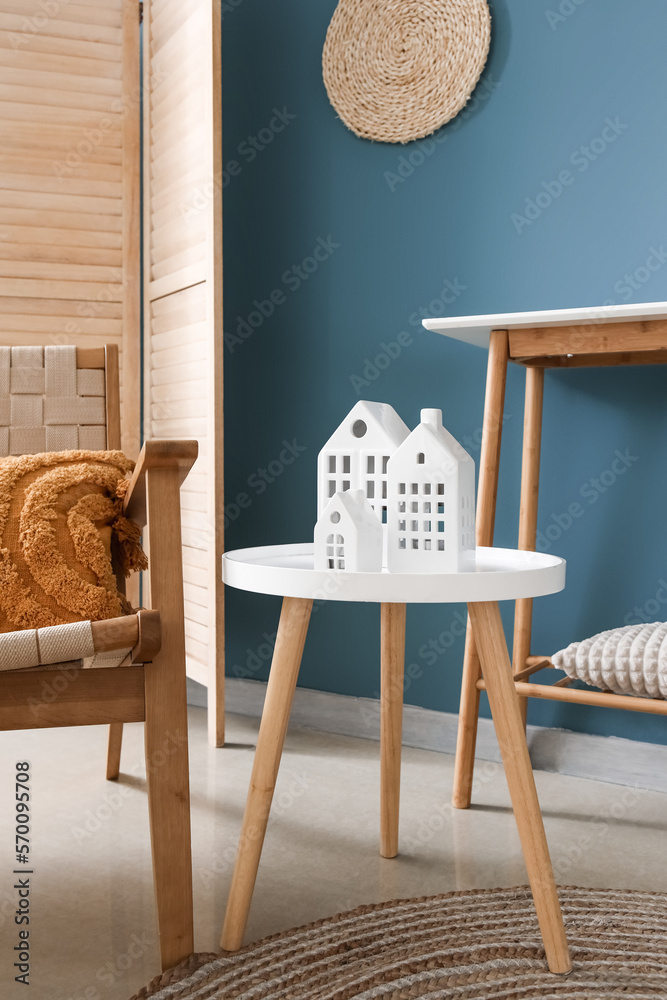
(530, 485)
(113, 750)
(391, 724)
(504, 701)
(285, 665)
(492, 428)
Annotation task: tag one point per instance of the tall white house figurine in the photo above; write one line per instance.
(431, 486)
(357, 454)
(348, 535)
(388, 497)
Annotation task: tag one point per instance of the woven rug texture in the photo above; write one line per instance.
(463, 945)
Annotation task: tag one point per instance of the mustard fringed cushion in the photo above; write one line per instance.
(63, 536)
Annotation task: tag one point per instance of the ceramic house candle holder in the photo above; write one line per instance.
(388, 497)
(357, 454)
(348, 535)
(431, 485)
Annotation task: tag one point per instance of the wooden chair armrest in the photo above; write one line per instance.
(141, 631)
(179, 455)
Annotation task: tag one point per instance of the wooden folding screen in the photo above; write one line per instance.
(70, 181)
(183, 299)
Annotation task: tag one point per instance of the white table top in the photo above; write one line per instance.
(287, 571)
(476, 329)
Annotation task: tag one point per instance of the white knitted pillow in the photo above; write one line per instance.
(628, 660)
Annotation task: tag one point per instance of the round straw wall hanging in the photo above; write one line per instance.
(397, 70)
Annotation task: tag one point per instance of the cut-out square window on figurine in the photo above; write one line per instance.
(370, 465)
(401, 488)
(401, 525)
(441, 489)
(427, 508)
(427, 544)
(441, 545)
(415, 543)
(346, 484)
(420, 458)
(441, 525)
(441, 508)
(401, 543)
(427, 489)
(427, 525)
(401, 506)
(414, 488)
(414, 507)
(370, 490)
(332, 463)
(332, 487)
(385, 463)
(346, 465)
(414, 525)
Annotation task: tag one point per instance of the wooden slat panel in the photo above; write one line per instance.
(182, 273)
(69, 180)
(39, 77)
(56, 27)
(31, 234)
(83, 11)
(61, 255)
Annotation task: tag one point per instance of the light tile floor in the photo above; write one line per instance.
(92, 919)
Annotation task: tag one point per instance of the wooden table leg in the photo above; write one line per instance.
(285, 665)
(391, 724)
(504, 701)
(530, 484)
(492, 427)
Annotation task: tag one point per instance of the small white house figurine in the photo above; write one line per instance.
(348, 535)
(431, 486)
(356, 455)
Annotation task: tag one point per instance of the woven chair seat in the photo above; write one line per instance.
(56, 645)
(135, 638)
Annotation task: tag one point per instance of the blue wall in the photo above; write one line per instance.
(402, 223)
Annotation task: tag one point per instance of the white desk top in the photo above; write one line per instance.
(476, 329)
(287, 571)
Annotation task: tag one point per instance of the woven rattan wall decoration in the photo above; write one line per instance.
(397, 70)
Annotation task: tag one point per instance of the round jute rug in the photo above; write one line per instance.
(463, 946)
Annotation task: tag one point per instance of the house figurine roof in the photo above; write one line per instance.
(431, 431)
(372, 425)
(354, 503)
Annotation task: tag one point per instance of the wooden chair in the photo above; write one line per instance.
(139, 659)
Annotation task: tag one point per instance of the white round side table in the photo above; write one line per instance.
(500, 575)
